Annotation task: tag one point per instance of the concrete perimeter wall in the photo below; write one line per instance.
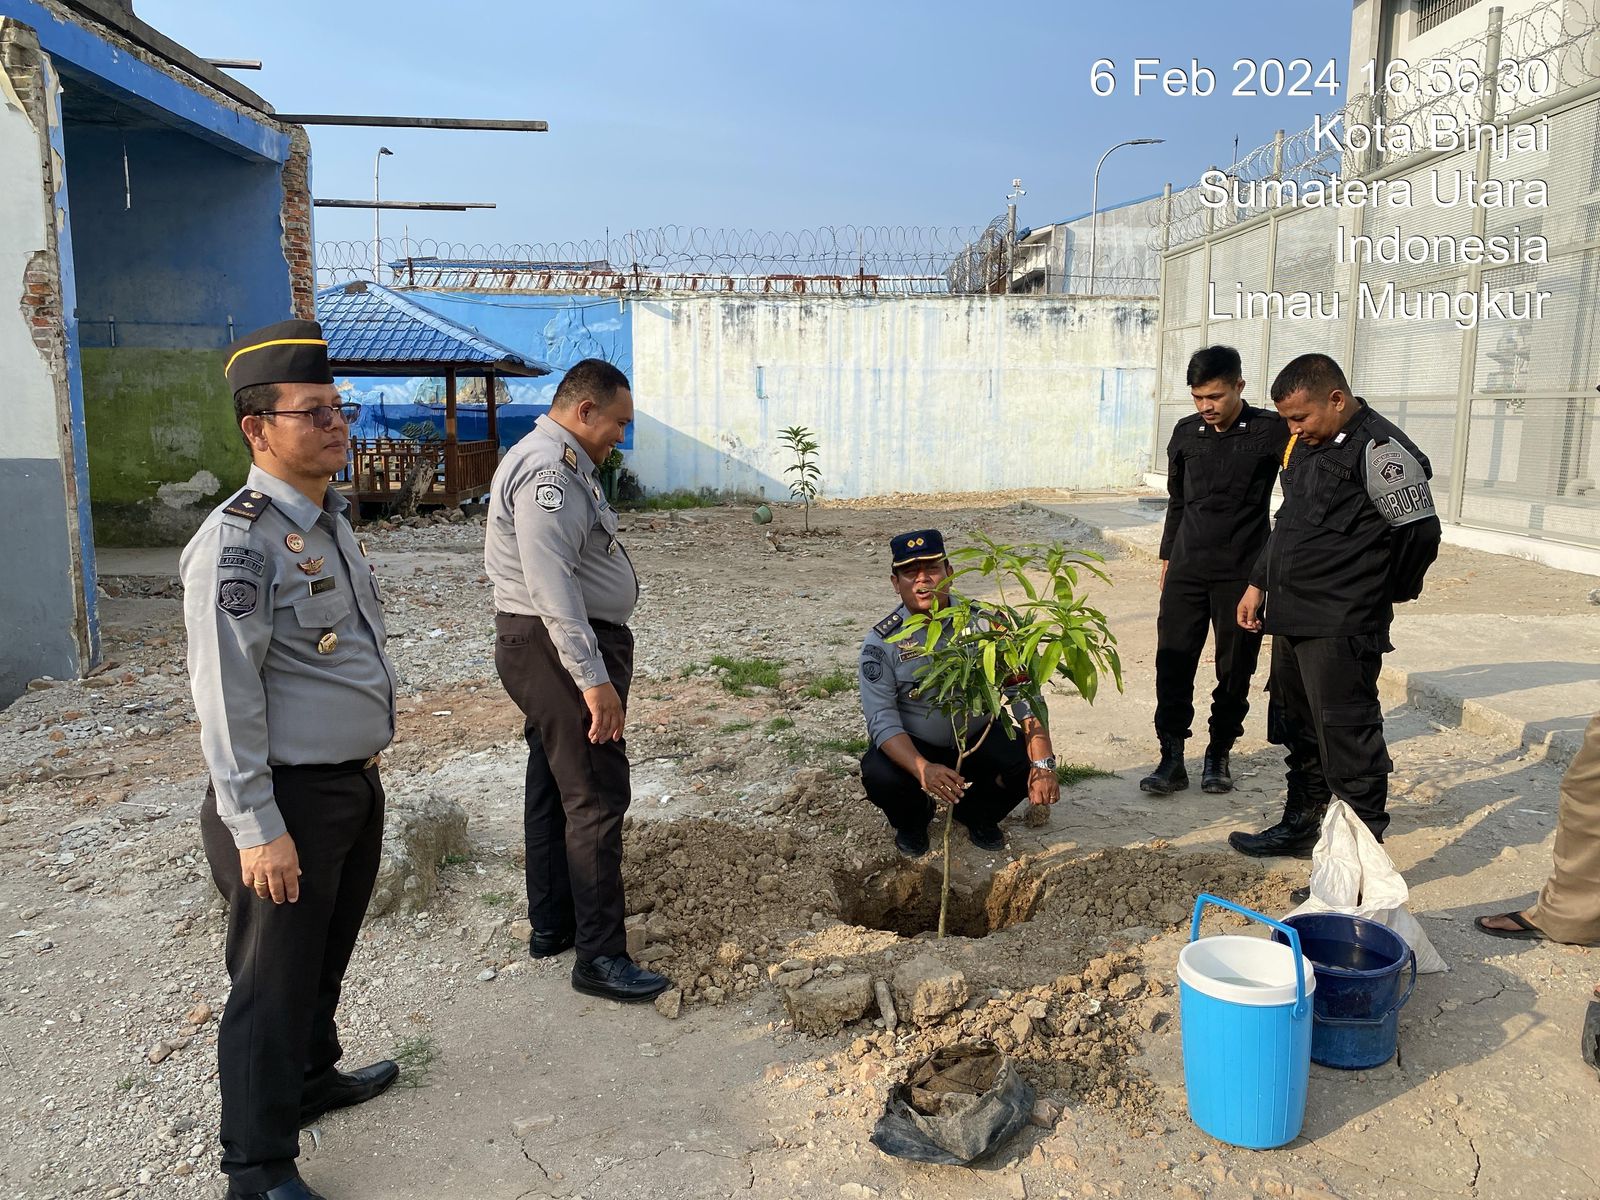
(905, 394)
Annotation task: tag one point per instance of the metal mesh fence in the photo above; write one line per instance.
(1505, 406)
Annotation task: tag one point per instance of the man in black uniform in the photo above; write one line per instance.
(1355, 536)
(1220, 466)
(295, 698)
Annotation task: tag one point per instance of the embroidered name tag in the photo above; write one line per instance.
(241, 558)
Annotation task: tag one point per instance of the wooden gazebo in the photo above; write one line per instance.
(374, 331)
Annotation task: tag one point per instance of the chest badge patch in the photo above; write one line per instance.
(312, 565)
(295, 542)
(328, 643)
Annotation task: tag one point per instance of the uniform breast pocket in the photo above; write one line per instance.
(1334, 498)
(317, 628)
(1199, 472)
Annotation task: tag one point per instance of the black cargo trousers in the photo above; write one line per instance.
(575, 793)
(1189, 607)
(1324, 710)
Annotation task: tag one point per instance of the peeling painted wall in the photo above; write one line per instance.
(927, 394)
(44, 630)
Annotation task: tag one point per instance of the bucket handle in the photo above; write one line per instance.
(1387, 1013)
(1301, 1002)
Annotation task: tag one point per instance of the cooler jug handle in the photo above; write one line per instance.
(1302, 1001)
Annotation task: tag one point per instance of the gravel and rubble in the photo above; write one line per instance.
(755, 871)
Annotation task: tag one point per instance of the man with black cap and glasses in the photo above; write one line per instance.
(295, 698)
(910, 765)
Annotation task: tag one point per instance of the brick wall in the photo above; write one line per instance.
(20, 58)
(297, 245)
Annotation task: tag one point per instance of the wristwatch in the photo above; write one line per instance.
(1047, 763)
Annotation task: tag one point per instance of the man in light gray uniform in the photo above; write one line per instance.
(564, 589)
(296, 699)
(911, 763)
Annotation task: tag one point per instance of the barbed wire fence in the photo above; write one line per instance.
(841, 259)
(1559, 34)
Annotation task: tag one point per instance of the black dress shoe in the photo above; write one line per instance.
(355, 1088)
(548, 945)
(293, 1188)
(617, 977)
(986, 837)
(913, 843)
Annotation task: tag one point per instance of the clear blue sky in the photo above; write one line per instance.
(760, 114)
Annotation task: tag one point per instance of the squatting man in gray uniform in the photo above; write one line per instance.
(564, 589)
(296, 700)
(909, 768)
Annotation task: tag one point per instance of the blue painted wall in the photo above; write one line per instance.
(200, 241)
(559, 331)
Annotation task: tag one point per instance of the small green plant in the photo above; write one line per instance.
(495, 899)
(836, 680)
(982, 654)
(454, 859)
(802, 443)
(855, 746)
(779, 724)
(416, 1056)
(1070, 774)
(737, 726)
(739, 675)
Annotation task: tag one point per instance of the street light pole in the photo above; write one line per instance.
(1094, 207)
(377, 161)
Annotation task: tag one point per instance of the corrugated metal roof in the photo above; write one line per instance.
(372, 330)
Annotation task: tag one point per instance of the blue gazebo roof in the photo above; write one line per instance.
(372, 330)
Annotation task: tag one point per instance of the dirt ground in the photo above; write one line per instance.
(750, 852)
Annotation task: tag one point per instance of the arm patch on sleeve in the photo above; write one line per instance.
(872, 660)
(1398, 484)
(549, 496)
(237, 597)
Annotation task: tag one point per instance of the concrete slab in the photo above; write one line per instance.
(1472, 655)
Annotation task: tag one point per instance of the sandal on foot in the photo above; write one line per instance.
(1526, 931)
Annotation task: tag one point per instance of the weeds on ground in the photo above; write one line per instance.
(682, 498)
(416, 1056)
(737, 726)
(739, 675)
(856, 746)
(1074, 773)
(835, 681)
(779, 724)
(495, 899)
(454, 860)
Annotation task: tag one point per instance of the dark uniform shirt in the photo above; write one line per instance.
(1336, 563)
(1219, 493)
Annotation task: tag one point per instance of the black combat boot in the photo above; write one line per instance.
(1169, 775)
(1214, 776)
(1292, 837)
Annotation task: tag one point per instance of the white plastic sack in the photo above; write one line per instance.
(1351, 874)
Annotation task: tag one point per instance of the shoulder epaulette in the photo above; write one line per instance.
(889, 624)
(248, 504)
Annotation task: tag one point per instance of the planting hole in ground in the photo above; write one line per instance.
(903, 898)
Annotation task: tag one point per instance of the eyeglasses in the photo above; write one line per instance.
(321, 416)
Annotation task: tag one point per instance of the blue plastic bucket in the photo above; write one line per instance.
(1245, 1003)
(1358, 967)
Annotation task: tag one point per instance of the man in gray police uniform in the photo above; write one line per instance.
(911, 763)
(564, 589)
(296, 700)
